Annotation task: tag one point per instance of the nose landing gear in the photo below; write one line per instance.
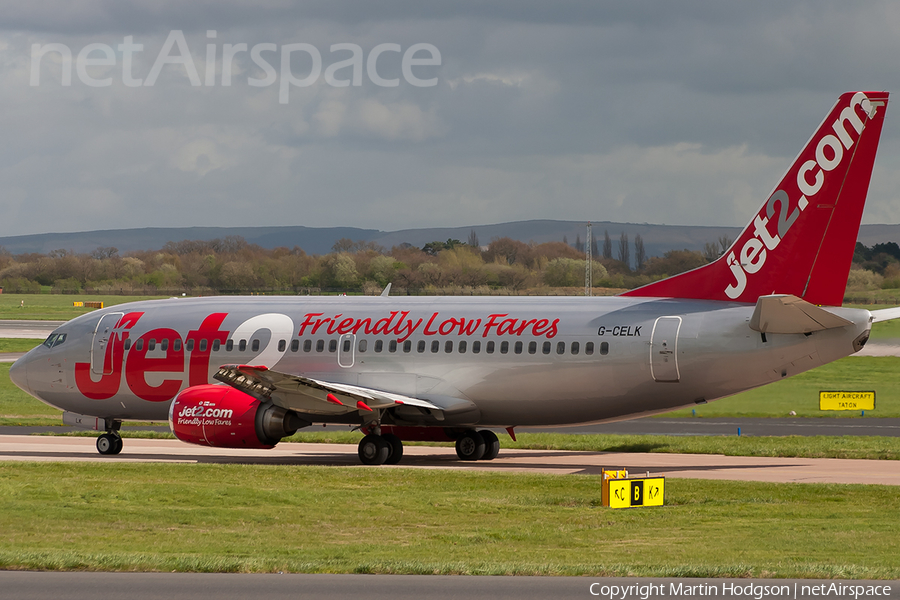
(110, 443)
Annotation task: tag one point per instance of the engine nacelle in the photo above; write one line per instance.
(223, 417)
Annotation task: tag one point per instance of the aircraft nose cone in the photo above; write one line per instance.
(18, 374)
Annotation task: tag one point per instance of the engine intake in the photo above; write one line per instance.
(223, 417)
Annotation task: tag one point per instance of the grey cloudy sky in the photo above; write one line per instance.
(660, 112)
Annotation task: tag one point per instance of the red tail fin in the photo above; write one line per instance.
(802, 239)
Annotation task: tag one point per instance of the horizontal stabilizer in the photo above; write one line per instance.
(885, 314)
(784, 313)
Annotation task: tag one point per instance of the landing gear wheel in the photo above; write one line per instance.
(470, 446)
(491, 445)
(374, 450)
(396, 448)
(109, 443)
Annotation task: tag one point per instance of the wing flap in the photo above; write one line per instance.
(305, 394)
(785, 313)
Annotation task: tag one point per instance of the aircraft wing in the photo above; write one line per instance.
(304, 394)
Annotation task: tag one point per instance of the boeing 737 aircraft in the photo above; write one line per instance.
(441, 368)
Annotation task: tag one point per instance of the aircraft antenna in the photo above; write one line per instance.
(588, 263)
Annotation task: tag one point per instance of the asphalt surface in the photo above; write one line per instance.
(837, 426)
(635, 459)
(27, 585)
(10, 328)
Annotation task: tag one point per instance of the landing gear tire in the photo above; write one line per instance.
(109, 444)
(374, 450)
(470, 446)
(396, 448)
(491, 445)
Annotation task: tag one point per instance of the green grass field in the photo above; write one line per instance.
(56, 307)
(18, 345)
(800, 393)
(376, 520)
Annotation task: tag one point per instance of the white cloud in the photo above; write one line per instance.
(623, 111)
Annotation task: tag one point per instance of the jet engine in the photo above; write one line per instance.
(223, 417)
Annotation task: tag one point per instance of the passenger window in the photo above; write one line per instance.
(435, 346)
(216, 345)
(139, 345)
(462, 347)
(346, 345)
(203, 345)
(420, 347)
(307, 345)
(320, 345)
(229, 345)
(332, 345)
(363, 345)
(448, 346)
(532, 347)
(127, 343)
(589, 347)
(242, 345)
(151, 345)
(575, 347)
(476, 347)
(282, 345)
(518, 348)
(489, 348)
(604, 348)
(504, 347)
(407, 346)
(379, 345)
(164, 345)
(392, 346)
(189, 346)
(560, 347)
(546, 348)
(254, 345)
(295, 345)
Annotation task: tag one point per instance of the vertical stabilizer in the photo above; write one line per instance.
(801, 241)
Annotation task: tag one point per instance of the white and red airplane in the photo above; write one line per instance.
(439, 368)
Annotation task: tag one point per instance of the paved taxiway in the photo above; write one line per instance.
(870, 426)
(24, 585)
(695, 466)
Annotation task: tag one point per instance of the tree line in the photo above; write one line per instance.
(232, 265)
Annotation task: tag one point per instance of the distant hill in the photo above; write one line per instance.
(319, 240)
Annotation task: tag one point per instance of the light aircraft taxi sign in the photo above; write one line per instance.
(246, 372)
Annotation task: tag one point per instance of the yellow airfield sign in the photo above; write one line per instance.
(618, 491)
(846, 400)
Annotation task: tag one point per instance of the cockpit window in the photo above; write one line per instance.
(55, 339)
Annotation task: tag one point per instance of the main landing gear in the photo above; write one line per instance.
(478, 445)
(384, 449)
(387, 449)
(110, 442)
